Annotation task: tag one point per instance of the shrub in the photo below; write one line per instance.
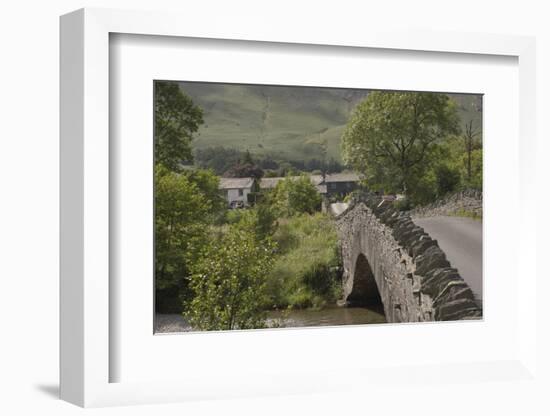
(229, 282)
(295, 196)
(307, 271)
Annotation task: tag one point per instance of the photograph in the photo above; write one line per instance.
(281, 206)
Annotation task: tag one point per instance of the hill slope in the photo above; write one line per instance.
(289, 123)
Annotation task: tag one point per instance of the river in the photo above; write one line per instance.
(328, 316)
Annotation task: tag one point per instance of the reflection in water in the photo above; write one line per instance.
(328, 316)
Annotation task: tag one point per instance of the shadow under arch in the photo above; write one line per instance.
(365, 291)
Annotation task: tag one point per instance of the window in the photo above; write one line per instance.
(240, 192)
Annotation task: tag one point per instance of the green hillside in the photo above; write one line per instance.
(289, 123)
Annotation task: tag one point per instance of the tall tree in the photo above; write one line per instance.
(391, 135)
(182, 213)
(471, 143)
(176, 119)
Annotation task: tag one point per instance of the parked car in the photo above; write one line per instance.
(236, 204)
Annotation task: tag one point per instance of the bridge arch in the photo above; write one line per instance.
(388, 259)
(364, 291)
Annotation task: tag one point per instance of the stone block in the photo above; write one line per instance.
(432, 258)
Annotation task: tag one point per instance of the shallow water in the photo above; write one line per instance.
(328, 316)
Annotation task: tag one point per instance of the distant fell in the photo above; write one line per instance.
(291, 123)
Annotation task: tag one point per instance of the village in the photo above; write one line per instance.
(243, 192)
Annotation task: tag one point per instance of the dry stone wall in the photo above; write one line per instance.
(415, 280)
(468, 202)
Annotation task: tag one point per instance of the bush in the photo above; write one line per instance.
(294, 196)
(306, 272)
(448, 180)
(233, 216)
(403, 204)
(229, 282)
(319, 278)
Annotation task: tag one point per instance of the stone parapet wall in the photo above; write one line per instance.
(468, 202)
(415, 280)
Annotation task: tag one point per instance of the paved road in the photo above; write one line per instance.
(461, 240)
(338, 207)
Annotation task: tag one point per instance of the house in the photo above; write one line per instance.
(267, 184)
(341, 183)
(331, 184)
(236, 190)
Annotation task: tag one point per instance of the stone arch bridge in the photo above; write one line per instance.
(389, 259)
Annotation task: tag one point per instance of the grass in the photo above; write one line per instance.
(468, 214)
(289, 122)
(306, 270)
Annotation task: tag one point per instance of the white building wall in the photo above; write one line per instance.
(233, 195)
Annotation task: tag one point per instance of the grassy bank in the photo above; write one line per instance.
(306, 273)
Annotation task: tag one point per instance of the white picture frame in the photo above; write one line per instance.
(85, 351)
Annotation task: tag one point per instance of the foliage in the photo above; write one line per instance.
(265, 222)
(207, 183)
(468, 214)
(391, 135)
(233, 216)
(181, 217)
(306, 272)
(218, 158)
(403, 204)
(295, 195)
(224, 159)
(472, 143)
(447, 179)
(476, 179)
(229, 282)
(185, 205)
(244, 170)
(176, 119)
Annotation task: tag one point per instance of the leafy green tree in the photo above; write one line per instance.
(391, 135)
(207, 183)
(472, 142)
(293, 196)
(476, 180)
(229, 282)
(464, 156)
(244, 170)
(182, 215)
(176, 119)
(448, 179)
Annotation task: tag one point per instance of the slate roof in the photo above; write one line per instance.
(342, 177)
(236, 183)
(270, 183)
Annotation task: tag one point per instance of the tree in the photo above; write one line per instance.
(476, 179)
(182, 214)
(208, 184)
(391, 134)
(229, 282)
(293, 196)
(244, 170)
(248, 158)
(448, 179)
(471, 144)
(176, 119)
